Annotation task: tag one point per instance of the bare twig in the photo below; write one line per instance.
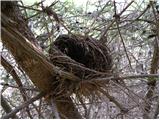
(103, 34)
(148, 6)
(98, 15)
(122, 78)
(117, 17)
(83, 105)
(30, 8)
(154, 12)
(39, 109)
(112, 99)
(129, 95)
(38, 11)
(25, 88)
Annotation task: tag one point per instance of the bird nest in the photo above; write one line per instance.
(84, 57)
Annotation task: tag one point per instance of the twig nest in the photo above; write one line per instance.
(84, 57)
(86, 51)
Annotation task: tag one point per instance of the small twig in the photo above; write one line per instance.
(39, 109)
(122, 78)
(25, 88)
(89, 108)
(128, 94)
(132, 93)
(148, 6)
(25, 11)
(36, 4)
(112, 99)
(103, 34)
(127, 24)
(25, 104)
(154, 12)
(98, 15)
(138, 18)
(38, 11)
(30, 8)
(117, 17)
(32, 16)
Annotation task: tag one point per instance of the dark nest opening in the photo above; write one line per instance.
(84, 57)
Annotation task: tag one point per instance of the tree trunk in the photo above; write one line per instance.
(29, 56)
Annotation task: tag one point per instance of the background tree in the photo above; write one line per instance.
(128, 29)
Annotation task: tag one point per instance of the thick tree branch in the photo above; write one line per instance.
(31, 59)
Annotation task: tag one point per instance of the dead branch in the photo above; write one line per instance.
(103, 34)
(117, 18)
(125, 77)
(112, 99)
(25, 88)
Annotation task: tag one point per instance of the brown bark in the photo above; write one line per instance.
(29, 57)
(11, 10)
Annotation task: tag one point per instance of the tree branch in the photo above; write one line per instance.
(30, 58)
(25, 88)
(25, 104)
(7, 107)
(103, 34)
(122, 78)
(112, 99)
(151, 81)
(123, 43)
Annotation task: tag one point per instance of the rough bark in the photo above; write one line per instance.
(11, 10)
